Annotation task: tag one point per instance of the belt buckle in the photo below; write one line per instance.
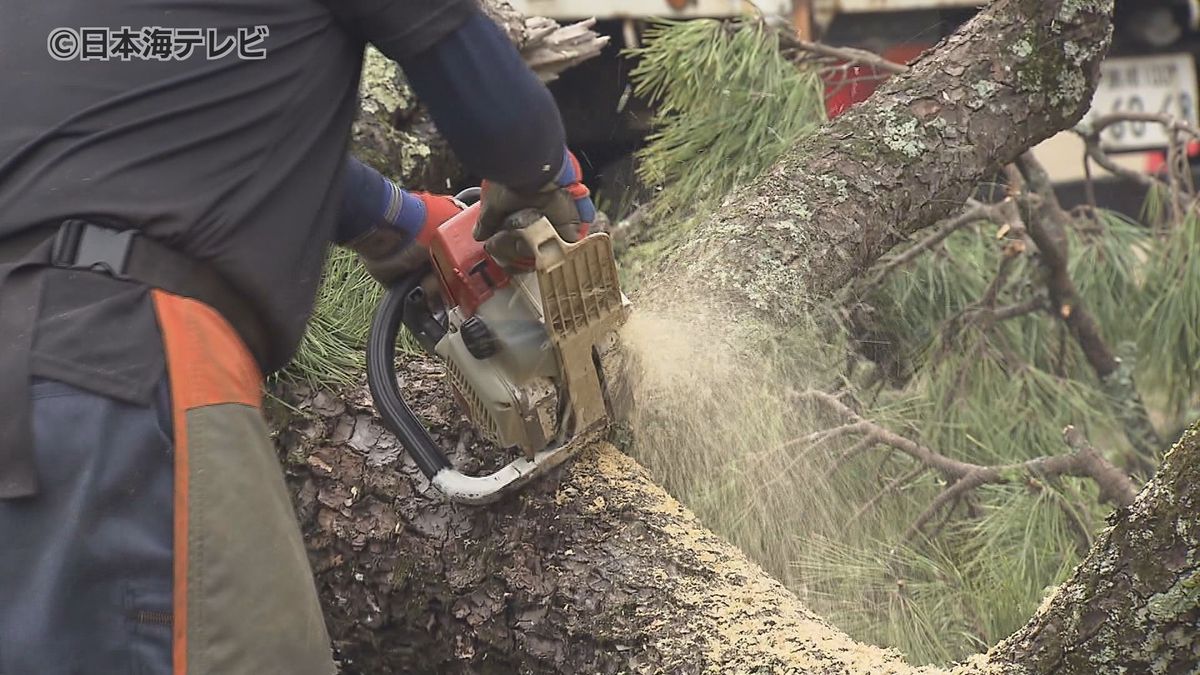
(79, 244)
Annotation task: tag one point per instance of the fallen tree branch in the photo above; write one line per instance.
(1047, 224)
(594, 570)
(948, 497)
(1035, 303)
(1008, 257)
(1179, 179)
(1115, 487)
(891, 486)
(865, 443)
(852, 55)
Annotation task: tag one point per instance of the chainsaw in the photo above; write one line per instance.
(522, 349)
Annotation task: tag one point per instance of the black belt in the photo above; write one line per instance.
(122, 254)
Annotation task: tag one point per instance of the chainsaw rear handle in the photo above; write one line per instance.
(385, 390)
(401, 421)
(381, 360)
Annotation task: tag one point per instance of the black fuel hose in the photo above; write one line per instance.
(385, 390)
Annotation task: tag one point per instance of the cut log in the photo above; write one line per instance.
(599, 572)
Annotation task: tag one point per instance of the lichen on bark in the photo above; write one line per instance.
(1133, 606)
(904, 157)
(393, 135)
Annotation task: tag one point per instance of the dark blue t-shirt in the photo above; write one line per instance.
(230, 150)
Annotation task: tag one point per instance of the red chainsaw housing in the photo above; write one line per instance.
(468, 275)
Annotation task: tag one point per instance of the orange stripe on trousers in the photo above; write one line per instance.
(207, 364)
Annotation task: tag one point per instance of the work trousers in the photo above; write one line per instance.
(162, 539)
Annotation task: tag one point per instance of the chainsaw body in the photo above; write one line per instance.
(522, 350)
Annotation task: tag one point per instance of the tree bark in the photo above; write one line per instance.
(597, 570)
(1047, 226)
(1018, 72)
(1133, 605)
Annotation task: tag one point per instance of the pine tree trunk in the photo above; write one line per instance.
(598, 571)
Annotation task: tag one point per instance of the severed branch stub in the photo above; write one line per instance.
(1116, 488)
(552, 48)
(1179, 134)
(546, 46)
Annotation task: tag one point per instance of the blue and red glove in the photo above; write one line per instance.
(395, 244)
(570, 180)
(564, 201)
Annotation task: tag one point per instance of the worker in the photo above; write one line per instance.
(170, 176)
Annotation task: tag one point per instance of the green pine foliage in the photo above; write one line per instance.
(1108, 267)
(331, 351)
(720, 88)
(1169, 335)
(834, 527)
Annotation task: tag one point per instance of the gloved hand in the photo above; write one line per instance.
(390, 252)
(565, 202)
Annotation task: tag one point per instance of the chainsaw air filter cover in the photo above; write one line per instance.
(543, 325)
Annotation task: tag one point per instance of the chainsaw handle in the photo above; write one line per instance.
(469, 195)
(385, 390)
(401, 421)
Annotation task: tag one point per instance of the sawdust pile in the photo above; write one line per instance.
(739, 620)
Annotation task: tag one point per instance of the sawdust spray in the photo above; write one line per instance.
(717, 421)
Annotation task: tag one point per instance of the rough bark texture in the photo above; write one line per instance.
(1133, 606)
(394, 135)
(598, 571)
(1018, 72)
